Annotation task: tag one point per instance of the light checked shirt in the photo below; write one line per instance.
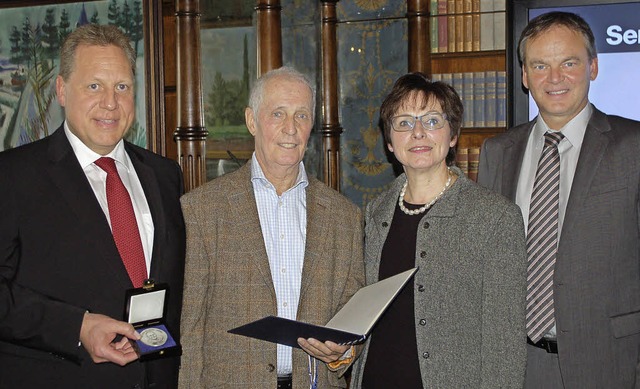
(283, 220)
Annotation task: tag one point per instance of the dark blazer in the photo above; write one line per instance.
(58, 259)
(597, 273)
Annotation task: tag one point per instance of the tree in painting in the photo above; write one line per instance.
(226, 101)
(28, 66)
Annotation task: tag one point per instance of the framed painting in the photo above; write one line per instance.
(226, 13)
(228, 47)
(31, 33)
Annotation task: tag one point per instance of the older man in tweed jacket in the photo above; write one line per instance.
(237, 255)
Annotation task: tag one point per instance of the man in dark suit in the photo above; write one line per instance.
(587, 334)
(62, 278)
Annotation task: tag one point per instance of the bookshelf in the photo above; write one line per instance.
(468, 51)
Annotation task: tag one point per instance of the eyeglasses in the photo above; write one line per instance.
(430, 121)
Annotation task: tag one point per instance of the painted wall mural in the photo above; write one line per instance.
(30, 39)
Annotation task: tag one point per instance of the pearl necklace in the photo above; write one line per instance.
(426, 206)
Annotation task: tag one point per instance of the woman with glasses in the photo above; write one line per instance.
(461, 323)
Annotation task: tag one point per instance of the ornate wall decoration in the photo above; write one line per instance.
(372, 55)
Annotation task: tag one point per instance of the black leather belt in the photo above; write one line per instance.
(285, 382)
(551, 346)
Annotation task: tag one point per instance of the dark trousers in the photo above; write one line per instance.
(284, 382)
(543, 370)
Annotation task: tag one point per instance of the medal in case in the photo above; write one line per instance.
(146, 310)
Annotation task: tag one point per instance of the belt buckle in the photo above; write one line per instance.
(285, 382)
(550, 345)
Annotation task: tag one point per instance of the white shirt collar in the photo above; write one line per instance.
(258, 174)
(86, 156)
(573, 131)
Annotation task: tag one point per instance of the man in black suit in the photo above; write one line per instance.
(62, 279)
(586, 333)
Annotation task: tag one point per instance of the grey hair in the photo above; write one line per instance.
(257, 91)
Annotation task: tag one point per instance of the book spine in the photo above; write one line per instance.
(447, 78)
(486, 25)
(457, 83)
(479, 84)
(467, 99)
(467, 17)
(474, 161)
(501, 99)
(462, 159)
(499, 22)
(435, 77)
(490, 99)
(433, 26)
(443, 29)
(459, 4)
(475, 25)
(451, 26)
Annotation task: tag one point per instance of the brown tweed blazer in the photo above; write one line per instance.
(228, 281)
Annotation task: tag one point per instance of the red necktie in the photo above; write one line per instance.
(123, 223)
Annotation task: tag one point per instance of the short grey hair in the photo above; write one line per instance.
(257, 91)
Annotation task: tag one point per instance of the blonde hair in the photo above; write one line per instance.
(94, 35)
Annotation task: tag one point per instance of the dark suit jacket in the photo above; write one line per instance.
(58, 259)
(597, 273)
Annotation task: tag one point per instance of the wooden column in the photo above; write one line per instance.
(419, 43)
(330, 129)
(154, 48)
(190, 134)
(269, 35)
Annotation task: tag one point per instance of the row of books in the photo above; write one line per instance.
(467, 25)
(468, 159)
(483, 95)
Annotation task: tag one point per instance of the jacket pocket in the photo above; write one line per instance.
(625, 324)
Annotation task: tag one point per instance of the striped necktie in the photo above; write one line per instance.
(542, 239)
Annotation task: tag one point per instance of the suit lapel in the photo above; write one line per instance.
(72, 184)
(381, 224)
(512, 155)
(318, 218)
(149, 183)
(592, 152)
(240, 198)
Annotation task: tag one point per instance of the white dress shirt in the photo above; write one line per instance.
(98, 181)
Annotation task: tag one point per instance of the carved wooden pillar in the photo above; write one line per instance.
(419, 43)
(331, 128)
(191, 133)
(269, 35)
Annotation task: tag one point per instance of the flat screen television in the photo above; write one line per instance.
(616, 27)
